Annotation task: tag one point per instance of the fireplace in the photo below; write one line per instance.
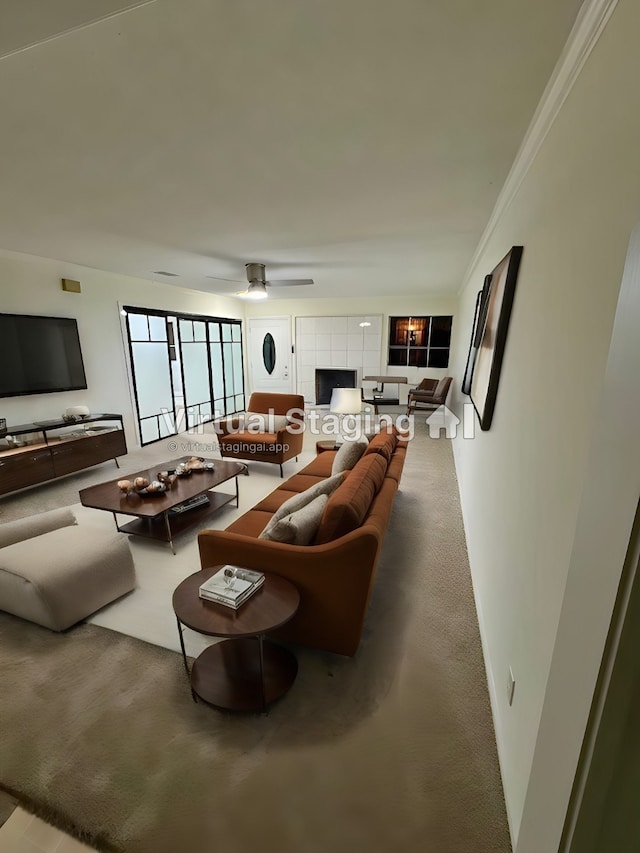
(328, 378)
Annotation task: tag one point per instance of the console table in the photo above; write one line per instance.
(378, 398)
(55, 454)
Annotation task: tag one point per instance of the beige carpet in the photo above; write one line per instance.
(391, 750)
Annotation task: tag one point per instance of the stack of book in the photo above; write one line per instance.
(231, 586)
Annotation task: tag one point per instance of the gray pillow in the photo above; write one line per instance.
(293, 504)
(298, 528)
(348, 455)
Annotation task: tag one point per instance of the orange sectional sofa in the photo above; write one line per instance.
(335, 574)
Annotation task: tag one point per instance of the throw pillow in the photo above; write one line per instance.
(262, 422)
(293, 504)
(298, 528)
(348, 455)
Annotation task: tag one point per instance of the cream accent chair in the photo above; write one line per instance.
(55, 572)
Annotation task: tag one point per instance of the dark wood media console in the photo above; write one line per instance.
(58, 454)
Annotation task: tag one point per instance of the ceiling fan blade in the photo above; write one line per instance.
(217, 278)
(290, 282)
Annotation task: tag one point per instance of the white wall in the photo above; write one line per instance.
(522, 483)
(390, 306)
(30, 285)
(336, 342)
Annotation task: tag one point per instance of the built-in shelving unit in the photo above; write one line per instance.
(61, 448)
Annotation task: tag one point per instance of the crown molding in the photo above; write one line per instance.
(591, 21)
(129, 6)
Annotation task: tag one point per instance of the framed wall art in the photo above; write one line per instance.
(478, 325)
(493, 311)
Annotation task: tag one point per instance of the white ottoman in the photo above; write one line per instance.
(55, 572)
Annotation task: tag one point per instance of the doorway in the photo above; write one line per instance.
(270, 356)
(604, 815)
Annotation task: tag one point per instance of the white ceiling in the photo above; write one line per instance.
(362, 144)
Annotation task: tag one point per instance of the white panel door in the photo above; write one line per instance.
(269, 349)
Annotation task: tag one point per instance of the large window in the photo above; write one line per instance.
(186, 370)
(419, 341)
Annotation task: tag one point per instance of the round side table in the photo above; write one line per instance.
(330, 444)
(246, 672)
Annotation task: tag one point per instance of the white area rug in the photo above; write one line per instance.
(147, 612)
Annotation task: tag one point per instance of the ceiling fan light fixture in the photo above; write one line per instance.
(256, 290)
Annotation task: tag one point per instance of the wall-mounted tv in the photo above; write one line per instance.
(39, 355)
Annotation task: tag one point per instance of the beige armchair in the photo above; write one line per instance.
(429, 395)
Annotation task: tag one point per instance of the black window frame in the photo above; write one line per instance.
(417, 349)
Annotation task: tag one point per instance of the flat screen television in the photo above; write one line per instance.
(39, 355)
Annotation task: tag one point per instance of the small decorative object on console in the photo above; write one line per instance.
(12, 441)
(79, 412)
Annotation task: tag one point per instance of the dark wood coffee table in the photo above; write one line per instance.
(245, 672)
(153, 516)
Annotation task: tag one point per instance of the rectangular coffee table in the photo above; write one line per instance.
(153, 516)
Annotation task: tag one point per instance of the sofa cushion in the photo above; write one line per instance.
(35, 525)
(348, 505)
(275, 500)
(300, 499)
(321, 465)
(348, 455)
(259, 422)
(252, 523)
(384, 443)
(302, 482)
(300, 527)
(253, 439)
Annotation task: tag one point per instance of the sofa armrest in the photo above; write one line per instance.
(293, 439)
(35, 525)
(334, 581)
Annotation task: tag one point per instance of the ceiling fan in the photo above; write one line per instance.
(258, 284)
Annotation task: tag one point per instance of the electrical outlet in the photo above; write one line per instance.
(511, 686)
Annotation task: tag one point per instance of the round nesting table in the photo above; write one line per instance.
(245, 672)
(329, 444)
